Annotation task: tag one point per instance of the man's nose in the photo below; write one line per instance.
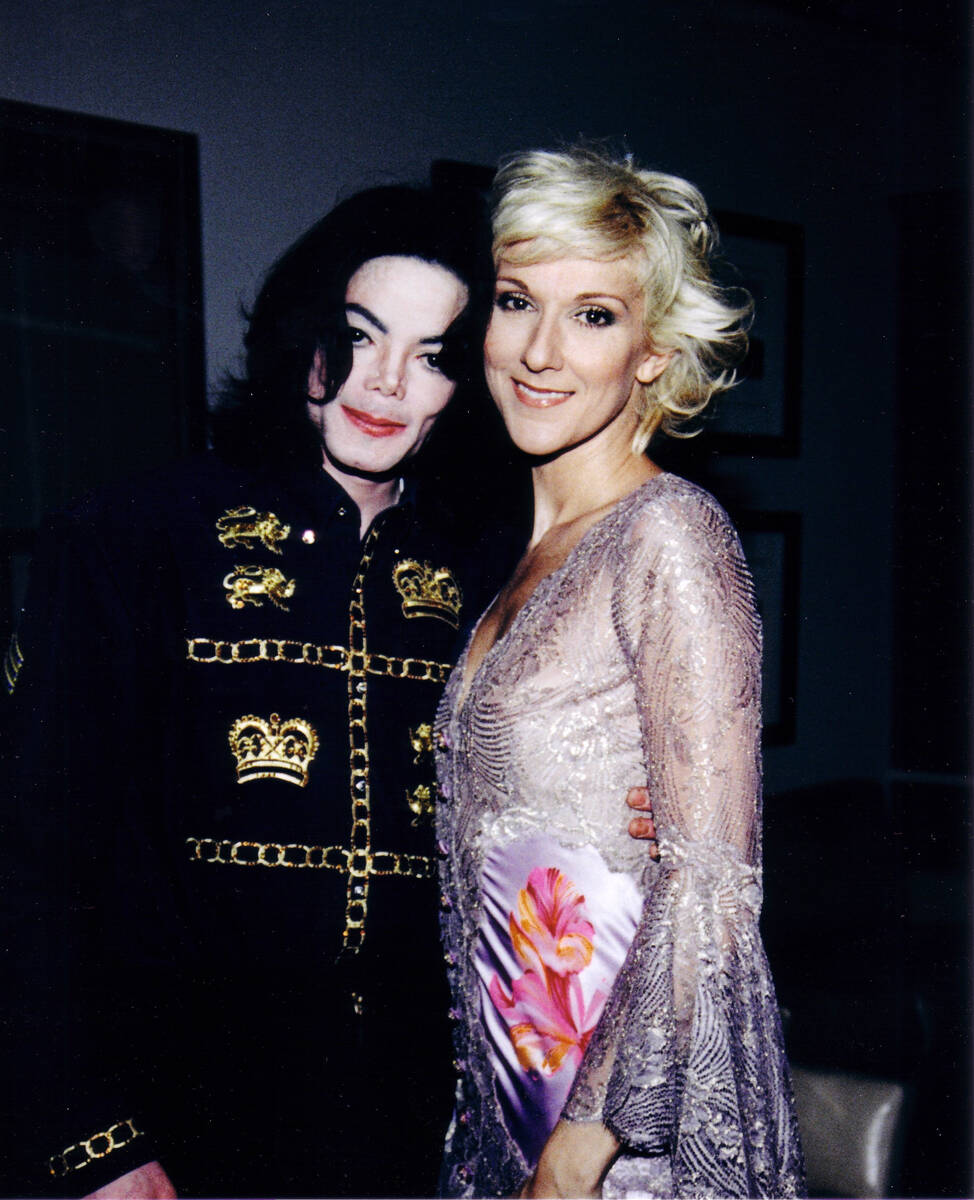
(390, 374)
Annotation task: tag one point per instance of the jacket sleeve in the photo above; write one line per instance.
(687, 1060)
(70, 876)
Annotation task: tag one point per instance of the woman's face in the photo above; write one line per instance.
(398, 310)
(566, 351)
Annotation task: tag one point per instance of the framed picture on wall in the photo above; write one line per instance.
(101, 327)
(762, 414)
(101, 334)
(772, 546)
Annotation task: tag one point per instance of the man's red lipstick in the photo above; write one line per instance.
(377, 427)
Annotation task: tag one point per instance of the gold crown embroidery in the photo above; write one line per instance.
(241, 526)
(273, 749)
(249, 584)
(427, 591)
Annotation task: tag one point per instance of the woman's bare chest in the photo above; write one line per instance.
(537, 564)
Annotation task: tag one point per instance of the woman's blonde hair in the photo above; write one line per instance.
(552, 204)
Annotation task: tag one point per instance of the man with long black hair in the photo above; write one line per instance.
(220, 892)
(224, 891)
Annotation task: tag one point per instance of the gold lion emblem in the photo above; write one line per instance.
(250, 584)
(245, 525)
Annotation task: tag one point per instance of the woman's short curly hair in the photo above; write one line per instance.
(552, 204)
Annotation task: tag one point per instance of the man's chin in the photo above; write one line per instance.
(366, 471)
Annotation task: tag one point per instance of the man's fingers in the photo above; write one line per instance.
(644, 829)
(638, 797)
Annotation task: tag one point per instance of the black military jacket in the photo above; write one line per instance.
(219, 865)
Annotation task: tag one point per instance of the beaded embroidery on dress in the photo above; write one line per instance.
(587, 980)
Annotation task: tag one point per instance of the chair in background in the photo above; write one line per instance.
(853, 1131)
(835, 927)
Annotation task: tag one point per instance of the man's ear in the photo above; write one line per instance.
(653, 365)
(316, 378)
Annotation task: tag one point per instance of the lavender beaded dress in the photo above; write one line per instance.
(589, 982)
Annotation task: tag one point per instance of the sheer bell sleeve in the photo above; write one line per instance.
(687, 1060)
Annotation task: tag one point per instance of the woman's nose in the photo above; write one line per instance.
(543, 349)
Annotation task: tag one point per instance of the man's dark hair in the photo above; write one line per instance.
(260, 416)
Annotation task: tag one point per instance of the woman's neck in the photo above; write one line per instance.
(583, 481)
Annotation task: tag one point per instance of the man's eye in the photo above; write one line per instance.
(358, 337)
(511, 302)
(435, 360)
(596, 317)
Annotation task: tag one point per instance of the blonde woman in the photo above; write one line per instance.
(616, 1025)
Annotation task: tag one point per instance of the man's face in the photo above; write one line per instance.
(398, 310)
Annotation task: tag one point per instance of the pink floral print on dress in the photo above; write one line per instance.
(547, 1017)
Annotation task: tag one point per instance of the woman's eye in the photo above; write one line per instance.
(511, 302)
(597, 317)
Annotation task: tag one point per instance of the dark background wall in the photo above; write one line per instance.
(845, 117)
(819, 115)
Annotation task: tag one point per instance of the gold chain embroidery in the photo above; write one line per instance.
(358, 860)
(95, 1147)
(336, 658)
(299, 856)
(13, 661)
(360, 842)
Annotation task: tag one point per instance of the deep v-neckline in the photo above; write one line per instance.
(468, 678)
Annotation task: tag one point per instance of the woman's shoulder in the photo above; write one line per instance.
(670, 514)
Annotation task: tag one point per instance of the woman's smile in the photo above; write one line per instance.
(536, 397)
(568, 329)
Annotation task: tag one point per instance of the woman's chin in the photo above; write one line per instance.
(537, 443)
